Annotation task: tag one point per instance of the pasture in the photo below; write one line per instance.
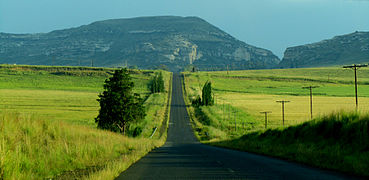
(48, 127)
(240, 96)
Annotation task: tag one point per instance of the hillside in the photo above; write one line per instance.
(146, 42)
(340, 50)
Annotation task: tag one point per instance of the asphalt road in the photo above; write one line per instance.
(183, 157)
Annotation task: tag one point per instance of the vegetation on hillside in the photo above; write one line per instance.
(340, 50)
(144, 42)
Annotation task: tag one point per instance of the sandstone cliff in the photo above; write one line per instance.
(146, 42)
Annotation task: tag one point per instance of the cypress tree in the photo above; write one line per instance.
(157, 83)
(207, 99)
(160, 82)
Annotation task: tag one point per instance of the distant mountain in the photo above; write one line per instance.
(340, 50)
(146, 42)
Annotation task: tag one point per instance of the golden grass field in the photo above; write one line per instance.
(296, 111)
(250, 92)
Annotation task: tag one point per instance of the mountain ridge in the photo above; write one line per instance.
(340, 50)
(146, 42)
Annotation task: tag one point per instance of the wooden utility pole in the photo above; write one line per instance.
(266, 117)
(311, 98)
(283, 102)
(355, 67)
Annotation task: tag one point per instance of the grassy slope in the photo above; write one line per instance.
(241, 95)
(49, 127)
(338, 141)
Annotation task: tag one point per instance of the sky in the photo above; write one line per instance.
(271, 24)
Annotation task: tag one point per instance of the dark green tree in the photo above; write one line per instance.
(119, 106)
(160, 82)
(157, 83)
(207, 99)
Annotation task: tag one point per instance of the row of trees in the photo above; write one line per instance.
(157, 83)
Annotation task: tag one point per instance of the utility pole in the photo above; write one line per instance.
(266, 117)
(355, 67)
(311, 98)
(283, 102)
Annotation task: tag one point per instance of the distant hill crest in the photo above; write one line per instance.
(340, 50)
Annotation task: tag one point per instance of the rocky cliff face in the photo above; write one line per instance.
(146, 42)
(340, 50)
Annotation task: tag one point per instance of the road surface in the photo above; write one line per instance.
(183, 157)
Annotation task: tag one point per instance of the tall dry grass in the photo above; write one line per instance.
(32, 148)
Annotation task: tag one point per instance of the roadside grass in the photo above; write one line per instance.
(63, 99)
(33, 148)
(337, 141)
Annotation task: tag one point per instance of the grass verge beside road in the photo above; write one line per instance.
(32, 148)
(339, 141)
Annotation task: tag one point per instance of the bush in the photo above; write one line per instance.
(137, 131)
(196, 102)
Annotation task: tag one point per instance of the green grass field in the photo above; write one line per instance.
(240, 96)
(334, 139)
(48, 128)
